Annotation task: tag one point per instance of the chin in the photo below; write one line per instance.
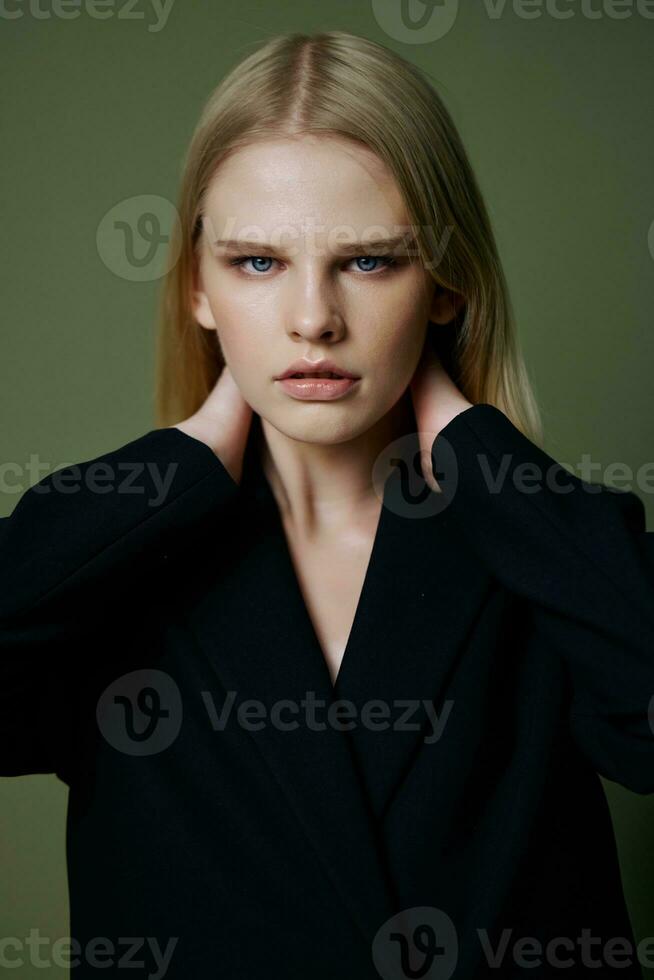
(316, 429)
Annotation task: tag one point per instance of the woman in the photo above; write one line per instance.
(332, 664)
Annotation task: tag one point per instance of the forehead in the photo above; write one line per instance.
(306, 182)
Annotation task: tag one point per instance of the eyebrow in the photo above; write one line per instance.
(369, 247)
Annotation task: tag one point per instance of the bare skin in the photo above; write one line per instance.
(330, 568)
(222, 423)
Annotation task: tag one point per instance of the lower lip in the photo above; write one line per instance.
(317, 389)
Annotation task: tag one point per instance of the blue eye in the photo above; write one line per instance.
(385, 260)
(253, 258)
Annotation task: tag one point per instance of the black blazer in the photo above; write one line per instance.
(501, 656)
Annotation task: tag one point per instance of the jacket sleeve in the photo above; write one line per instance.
(85, 548)
(579, 553)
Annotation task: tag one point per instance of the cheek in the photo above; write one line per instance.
(239, 330)
(398, 319)
(247, 348)
(396, 344)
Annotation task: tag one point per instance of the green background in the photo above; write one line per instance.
(556, 116)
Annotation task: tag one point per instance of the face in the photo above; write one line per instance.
(307, 286)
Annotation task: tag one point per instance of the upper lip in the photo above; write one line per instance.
(303, 366)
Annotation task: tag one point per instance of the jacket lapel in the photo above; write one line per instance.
(419, 597)
(422, 594)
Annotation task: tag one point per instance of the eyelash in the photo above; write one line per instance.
(388, 262)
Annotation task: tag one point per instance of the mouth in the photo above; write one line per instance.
(317, 385)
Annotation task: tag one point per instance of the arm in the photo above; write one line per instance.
(82, 549)
(580, 554)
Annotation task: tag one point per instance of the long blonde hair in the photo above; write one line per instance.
(339, 84)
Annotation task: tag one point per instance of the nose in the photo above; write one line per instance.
(312, 312)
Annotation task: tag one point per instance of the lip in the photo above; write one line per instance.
(304, 366)
(317, 389)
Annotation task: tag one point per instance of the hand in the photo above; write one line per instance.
(436, 401)
(222, 422)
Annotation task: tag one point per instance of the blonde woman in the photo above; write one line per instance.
(332, 659)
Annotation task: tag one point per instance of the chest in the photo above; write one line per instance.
(331, 572)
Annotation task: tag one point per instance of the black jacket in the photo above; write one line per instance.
(502, 655)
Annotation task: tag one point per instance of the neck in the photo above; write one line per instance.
(319, 486)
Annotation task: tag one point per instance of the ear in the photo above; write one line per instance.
(445, 305)
(201, 308)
